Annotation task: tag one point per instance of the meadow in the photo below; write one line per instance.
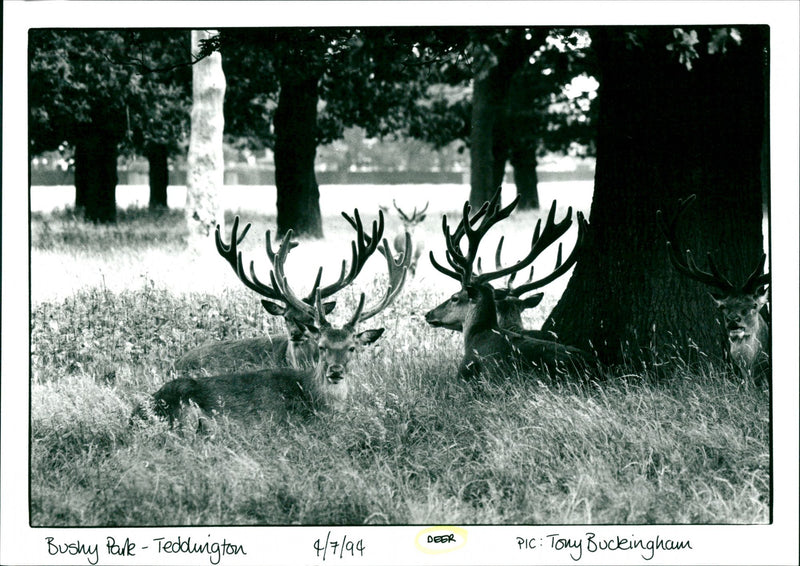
(114, 306)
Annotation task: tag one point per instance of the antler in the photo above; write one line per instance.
(688, 267)
(415, 216)
(233, 256)
(462, 264)
(398, 268)
(541, 241)
(362, 248)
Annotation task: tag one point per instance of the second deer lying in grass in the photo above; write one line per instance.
(487, 346)
(325, 385)
(509, 300)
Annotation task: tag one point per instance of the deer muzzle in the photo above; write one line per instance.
(335, 373)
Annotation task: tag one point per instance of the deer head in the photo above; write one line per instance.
(739, 306)
(336, 345)
(302, 342)
(466, 267)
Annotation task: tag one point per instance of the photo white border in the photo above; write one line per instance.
(771, 544)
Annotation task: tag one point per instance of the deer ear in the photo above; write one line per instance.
(761, 296)
(369, 336)
(328, 307)
(421, 218)
(532, 301)
(273, 308)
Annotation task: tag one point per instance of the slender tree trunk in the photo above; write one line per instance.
(523, 159)
(158, 175)
(96, 175)
(664, 133)
(295, 149)
(481, 147)
(206, 167)
(489, 133)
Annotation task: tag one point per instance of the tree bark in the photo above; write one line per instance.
(157, 155)
(481, 147)
(523, 159)
(96, 175)
(664, 133)
(295, 150)
(489, 133)
(206, 167)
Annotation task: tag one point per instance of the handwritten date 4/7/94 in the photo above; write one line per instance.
(333, 547)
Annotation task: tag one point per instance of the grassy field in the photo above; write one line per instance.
(416, 447)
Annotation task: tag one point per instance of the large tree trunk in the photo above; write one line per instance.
(295, 149)
(96, 175)
(206, 167)
(523, 159)
(157, 155)
(666, 132)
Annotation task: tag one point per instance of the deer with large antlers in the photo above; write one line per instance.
(475, 307)
(410, 223)
(509, 300)
(326, 384)
(296, 347)
(739, 306)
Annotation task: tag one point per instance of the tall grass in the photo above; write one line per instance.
(417, 446)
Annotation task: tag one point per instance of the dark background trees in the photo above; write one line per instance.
(512, 107)
(681, 112)
(95, 90)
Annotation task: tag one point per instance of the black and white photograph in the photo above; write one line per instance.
(400, 283)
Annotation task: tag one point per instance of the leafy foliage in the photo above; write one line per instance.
(130, 83)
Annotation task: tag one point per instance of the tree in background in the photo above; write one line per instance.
(293, 89)
(504, 96)
(87, 88)
(681, 112)
(160, 58)
(205, 164)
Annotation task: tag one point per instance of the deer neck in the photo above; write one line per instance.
(482, 317)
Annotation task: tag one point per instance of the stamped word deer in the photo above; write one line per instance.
(323, 386)
(739, 306)
(296, 347)
(475, 306)
(509, 300)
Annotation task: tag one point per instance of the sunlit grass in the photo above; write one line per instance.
(416, 446)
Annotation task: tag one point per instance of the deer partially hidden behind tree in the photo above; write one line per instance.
(746, 331)
(323, 386)
(296, 347)
(486, 343)
(510, 301)
(410, 223)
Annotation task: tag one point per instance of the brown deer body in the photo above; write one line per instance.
(326, 384)
(250, 394)
(486, 345)
(746, 332)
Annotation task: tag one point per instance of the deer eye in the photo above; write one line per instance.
(323, 348)
(351, 349)
(454, 299)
